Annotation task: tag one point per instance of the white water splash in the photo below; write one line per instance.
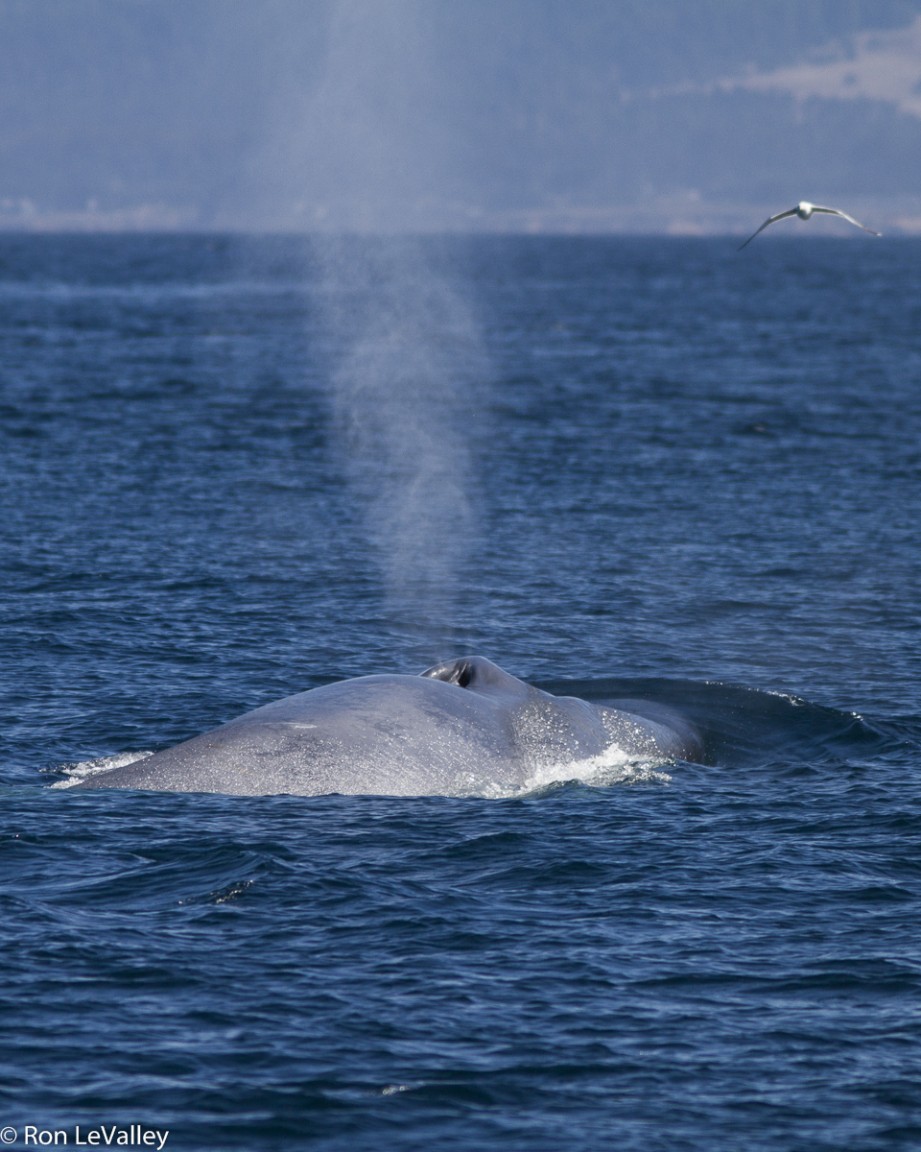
(83, 769)
(610, 768)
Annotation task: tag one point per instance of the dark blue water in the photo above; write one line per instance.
(236, 469)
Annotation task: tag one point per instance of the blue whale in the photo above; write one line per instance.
(463, 728)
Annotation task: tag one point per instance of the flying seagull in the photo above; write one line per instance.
(804, 210)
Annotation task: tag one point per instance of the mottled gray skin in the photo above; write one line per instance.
(461, 728)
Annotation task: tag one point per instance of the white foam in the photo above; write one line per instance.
(796, 701)
(608, 768)
(76, 773)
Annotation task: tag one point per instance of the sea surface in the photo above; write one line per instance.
(232, 469)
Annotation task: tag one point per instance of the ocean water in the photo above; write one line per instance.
(233, 469)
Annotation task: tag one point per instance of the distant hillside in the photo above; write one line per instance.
(543, 114)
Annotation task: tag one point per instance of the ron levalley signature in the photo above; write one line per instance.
(97, 1136)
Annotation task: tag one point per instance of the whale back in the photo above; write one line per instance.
(465, 727)
(391, 735)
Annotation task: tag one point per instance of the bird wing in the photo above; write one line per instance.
(772, 220)
(844, 216)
